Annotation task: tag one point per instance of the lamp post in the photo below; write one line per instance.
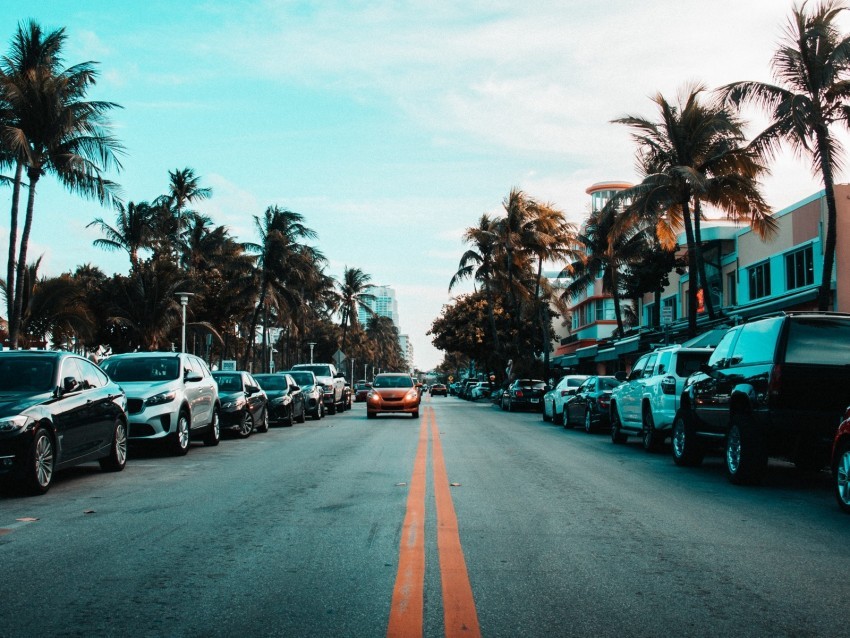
(312, 345)
(184, 301)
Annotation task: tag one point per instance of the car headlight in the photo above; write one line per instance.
(373, 396)
(162, 397)
(232, 405)
(413, 394)
(11, 424)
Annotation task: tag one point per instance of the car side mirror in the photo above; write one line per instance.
(705, 368)
(620, 376)
(251, 389)
(69, 384)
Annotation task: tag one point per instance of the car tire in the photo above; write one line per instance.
(565, 419)
(746, 459)
(302, 416)
(213, 435)
(180, 438)
(370, 415)
(37, 474)
(332, 409)
(415, 415)
(264, 423)
(841, 476)
(117, 458)
(617, 435)
(650, 438)
(546, 417)
(246, 426)
(688, 451)
(588, 422)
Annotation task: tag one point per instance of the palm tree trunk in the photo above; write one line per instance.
(249, 350)
(825, 289)
(706, 292)
(693, 277)
(18, 312)
(13, 241)
(544, 332)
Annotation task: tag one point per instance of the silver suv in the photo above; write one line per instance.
(645, 403)
(332, 382)
(171, 397)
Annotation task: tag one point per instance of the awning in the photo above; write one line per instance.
(568, 361)
(624, 346)
(708, 339)
(608, 354)
(586, 352)
(787, 302)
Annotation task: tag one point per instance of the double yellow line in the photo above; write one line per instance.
(406, 612)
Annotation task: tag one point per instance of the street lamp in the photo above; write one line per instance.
(184, 301)
(312, 345)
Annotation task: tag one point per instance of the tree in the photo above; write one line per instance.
(131, 233)
(811, 66)
(54, 130)
(353, 295)
(384, 334)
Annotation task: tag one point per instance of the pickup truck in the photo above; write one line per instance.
(332, 383)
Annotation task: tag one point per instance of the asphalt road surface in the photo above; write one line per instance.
(467, 521)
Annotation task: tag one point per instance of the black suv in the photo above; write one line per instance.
(775, 386)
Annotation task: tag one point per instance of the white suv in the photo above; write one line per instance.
(171, 397)
(646, 402)
(332, 382)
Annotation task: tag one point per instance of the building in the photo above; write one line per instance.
(384, 304)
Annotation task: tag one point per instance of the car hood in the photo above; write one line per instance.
(325, 380)
(144, 389)
(231, 395)
(391, 393)
(274, 394)
(12, 404)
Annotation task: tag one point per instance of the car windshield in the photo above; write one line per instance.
(530, 384)
(302, 378)
(228, 382)
(608, 384)
(399, 381)
(142, 368)
(272, 381)
(18, 374)
(318, 370)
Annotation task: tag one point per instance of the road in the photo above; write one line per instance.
(302, 531)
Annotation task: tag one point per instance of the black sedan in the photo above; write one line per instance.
(591, 403)
(286, 400)
(524, 394)
(57, 410)
(244, 405)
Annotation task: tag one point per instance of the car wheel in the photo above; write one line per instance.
(370, 415)
(213, 435)
(687, 449)
(332, 409)
(180, 438)
(649, 437)
(415, 415)
(510, 405)
(546, 417)
(40, 464)
(565, 419)
(617, 435)
(746, 459)
(301, 415)
(117, 458)
(246, 426)
(841, 476)
(588, 422)
(264, 423)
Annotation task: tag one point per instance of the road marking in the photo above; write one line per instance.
(406, 610)
(459, 613)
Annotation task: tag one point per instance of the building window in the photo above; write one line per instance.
(732, 289)
(759, 277)
(648, 316)
(799, 269)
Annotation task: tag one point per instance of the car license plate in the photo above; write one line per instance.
(535, 400)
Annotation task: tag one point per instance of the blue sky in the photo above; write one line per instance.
(391, 126)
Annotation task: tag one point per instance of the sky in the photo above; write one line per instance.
(391, 126)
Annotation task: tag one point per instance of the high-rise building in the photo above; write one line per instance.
(384, 305)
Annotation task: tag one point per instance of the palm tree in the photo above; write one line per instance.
(31, 53)
(692, 154)
(56, 131)
(131, 233)
(185, 188)
(353, 295)
(284, 264)
(811, 66)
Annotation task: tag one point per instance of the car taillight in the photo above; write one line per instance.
(774, 386)
(518, 393)
(668, 385)
(604, 401)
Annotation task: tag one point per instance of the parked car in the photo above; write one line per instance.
(439, 389)
(393, 393)
(554, 399)
(841, 463)
(480, 390)
(312, 391)
(775, 386)
(646, 403)
(523, 394)
(171, 398)
(286, 399)
(590, 403)
(361, 390)
(57, 410)
(331, 382)
(244, 405)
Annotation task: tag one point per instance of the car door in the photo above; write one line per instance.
(709, 402)
(102, 394)
(630, 395)
(196, 394)
(255, 396)
(578, 404)
(76, 425)
(296, 396)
